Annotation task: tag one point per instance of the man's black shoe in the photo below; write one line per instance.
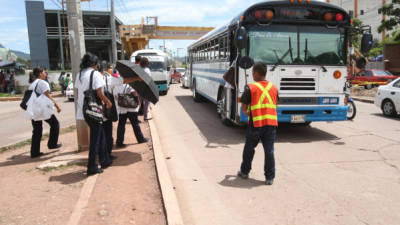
(38, 155)
(113, 157)
(269, 181)
(242, 175)
(90, 173)
(121, 145)
(105, 166)
(57, 146)
(144, 140)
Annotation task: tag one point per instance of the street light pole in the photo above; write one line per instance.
(77, 48)
(113, 34)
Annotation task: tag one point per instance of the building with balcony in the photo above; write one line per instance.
(49, 39)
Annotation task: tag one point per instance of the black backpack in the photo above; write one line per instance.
(110, 113)
(92, 106)
(27, 96)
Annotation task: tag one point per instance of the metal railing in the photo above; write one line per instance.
(88, 31)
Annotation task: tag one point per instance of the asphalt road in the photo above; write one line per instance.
(15, 127)
(327, 173)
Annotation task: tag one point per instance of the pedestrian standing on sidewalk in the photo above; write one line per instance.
(39, 87)
(259, 102)
(97, 136)
(144, 63)
(128, 113)
(61, 82)
(108, 124)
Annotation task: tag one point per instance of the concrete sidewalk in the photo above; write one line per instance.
(126, 193)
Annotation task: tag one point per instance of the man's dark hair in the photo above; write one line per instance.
(144, 62)
(137, 58)
(260, 68)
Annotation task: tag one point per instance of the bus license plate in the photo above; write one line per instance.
(298, 119)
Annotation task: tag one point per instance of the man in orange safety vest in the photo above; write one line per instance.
(259, 102)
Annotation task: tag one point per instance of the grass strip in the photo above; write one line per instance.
(45, 136)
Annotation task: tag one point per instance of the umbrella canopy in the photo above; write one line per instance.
(4, 64)
(146, 88)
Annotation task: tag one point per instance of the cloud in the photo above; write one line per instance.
(178, 12)
(7, 19)
(12, 37)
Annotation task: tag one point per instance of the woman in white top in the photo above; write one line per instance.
(128, 113)
(39, 86)
(89, 64)
(144, 63)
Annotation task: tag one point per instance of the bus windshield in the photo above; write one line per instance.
(297, 45)
(156, 66)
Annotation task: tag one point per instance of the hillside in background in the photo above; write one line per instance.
(22, 55)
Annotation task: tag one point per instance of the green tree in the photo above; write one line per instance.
(356, 25)
(392, 10)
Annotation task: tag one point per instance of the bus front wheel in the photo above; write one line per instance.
(196, 95)
(222, 106)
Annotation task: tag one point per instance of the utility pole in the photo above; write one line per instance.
(383, 19)
(77, 44)
(113, 34)
(356, 8)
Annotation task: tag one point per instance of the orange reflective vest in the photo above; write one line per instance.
(264, 97)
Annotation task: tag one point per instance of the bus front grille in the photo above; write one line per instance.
(297, 84)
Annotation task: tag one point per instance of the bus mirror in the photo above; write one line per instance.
(246, 62)
(366, 42)
(168, 68)
(241, 38)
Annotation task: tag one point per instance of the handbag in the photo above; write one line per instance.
(127, 100)
(110, 113)
(92, 107)
(27, 96)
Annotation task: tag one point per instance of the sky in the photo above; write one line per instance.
(214, 13)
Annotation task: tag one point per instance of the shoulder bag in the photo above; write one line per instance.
(110, 113)
(92, 106)
(27, 96)
(127, 100)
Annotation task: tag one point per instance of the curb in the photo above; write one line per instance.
(13, 99)
(363, 100)
(171, 206)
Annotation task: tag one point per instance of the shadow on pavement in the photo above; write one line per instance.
(380, 115)
(24, 158)
(126, 158)
(69, 178)
(289, 133)
(205, 117)
(237, 182)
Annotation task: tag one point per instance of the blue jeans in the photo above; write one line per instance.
(267, 137)
(37, 134)
(97, 146)
(133, 117)
(108, 128)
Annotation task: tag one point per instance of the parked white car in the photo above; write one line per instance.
(388, 98)
(70, 92)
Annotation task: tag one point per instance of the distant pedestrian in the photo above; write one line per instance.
(67, 81)
(40, 86)
(259, 102)
(128, 113)
(144, 63)
(97, 143)
(61, 82)
(6, 80)
(137, 60)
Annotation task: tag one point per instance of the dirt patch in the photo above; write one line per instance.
(31, 196)
(362, 92)
(126, 193)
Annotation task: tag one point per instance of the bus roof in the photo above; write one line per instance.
(236, 20)
(150, 51)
